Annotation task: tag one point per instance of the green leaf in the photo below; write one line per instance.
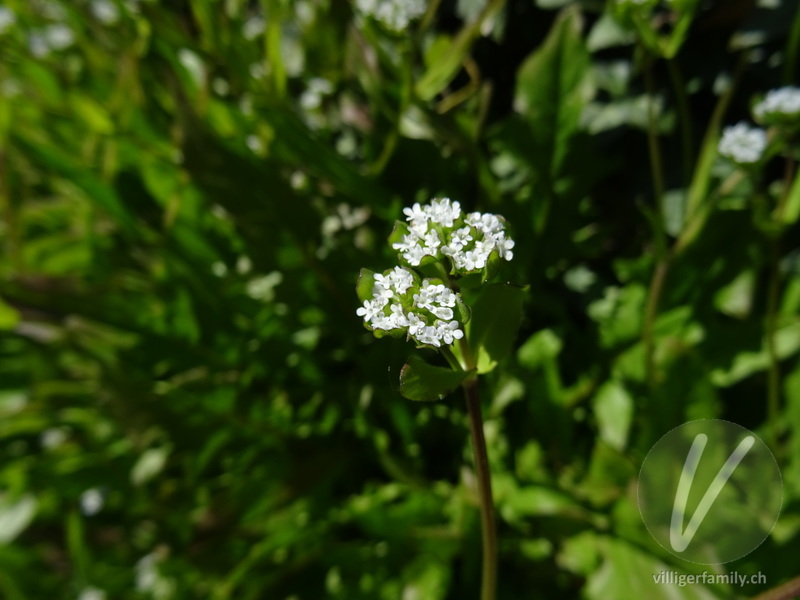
(364, 285)
(462, 312)
(149, 465)
(15, 516)
(9, 317)
(553, 86)
(446, 57)
(541, 347)
(496, 315)
(791, 210)
(613, 407)
(628, 572)
(424, 382)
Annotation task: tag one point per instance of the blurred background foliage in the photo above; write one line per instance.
(189, 405)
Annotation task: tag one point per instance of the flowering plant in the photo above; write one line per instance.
(443, 253)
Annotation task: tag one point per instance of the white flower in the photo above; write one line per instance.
(449, 331)
(416, 214)
(381, 321)
(432, 241)
(415, 324)
(783, 102)
(429, 335)
(390, 307)
(442, 312)
(443, 212)
(369, 310)
(91, 502)
(440, 229)
(397, 317)
(742, 143)
(408, 242)
(401, 280)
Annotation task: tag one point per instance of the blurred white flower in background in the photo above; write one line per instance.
(318, 87)
(393, 14)
(92, 593)
(254, 27)
(105, 11)
(783, 102)
(150, 580)
(7, 19)
(92, 502)
(53, 37)
(53, 437)
(742, 143)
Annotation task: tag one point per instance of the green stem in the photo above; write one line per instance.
(792, 47)
(773, 297)
(482, 473)
(773, 375)
(659, 230)
(684, 116)
(451, 358)
(651, 312)
(656, 165)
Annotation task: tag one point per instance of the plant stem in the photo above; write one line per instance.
(651, 311)
(770, 325)
(488, 525)
(787, 591)
(792, 45)
(684, 115)
(656, 164)
(659, 230)
(773, 296)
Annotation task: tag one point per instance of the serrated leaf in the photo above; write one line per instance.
(424, 382)
(496, 316)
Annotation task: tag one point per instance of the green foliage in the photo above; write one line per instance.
(496, 315)
(422, 381)
(189, 404)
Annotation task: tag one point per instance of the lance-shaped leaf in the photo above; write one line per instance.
(424, 382)
(553, 86)
(496, 316)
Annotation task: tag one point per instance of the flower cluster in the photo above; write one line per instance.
(778, 105)
(395, 15)
(742, 143)
(440, 229)
(399, 303)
